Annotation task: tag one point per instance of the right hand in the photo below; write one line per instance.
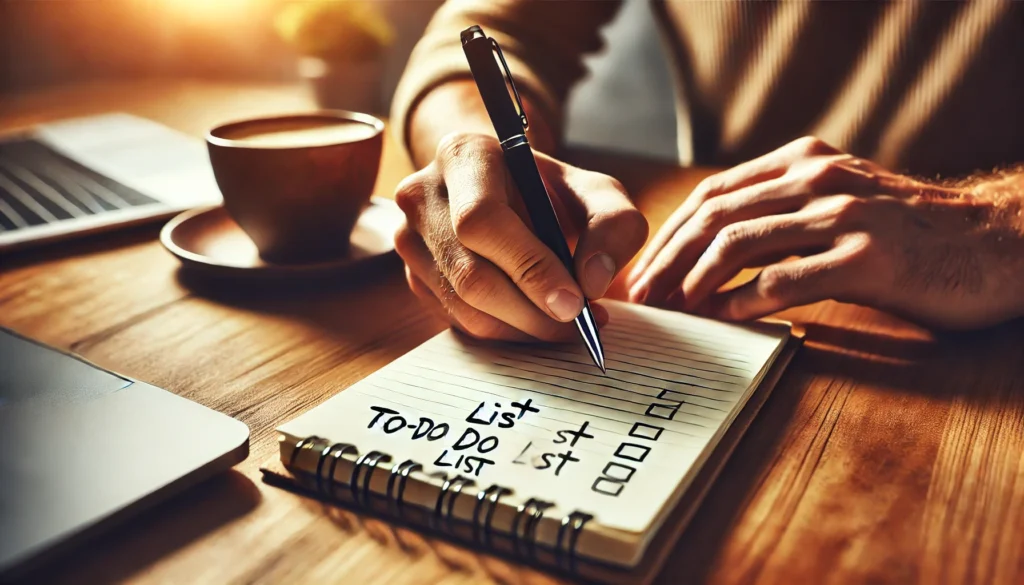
(470, 254)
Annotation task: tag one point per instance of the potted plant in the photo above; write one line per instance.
(341, 44)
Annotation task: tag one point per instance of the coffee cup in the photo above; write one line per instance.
(297, 184)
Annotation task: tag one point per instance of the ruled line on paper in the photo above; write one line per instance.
(694, 393)
(575, 413)
(610, 412)
(710, 346)
(691, 332)
(480, 374)
(528, 384)
(527, 365)
(711, 355)
(625, 377)
(719, 341)
(614, 353)
(627, 347)
(586, 366)
(614, 331)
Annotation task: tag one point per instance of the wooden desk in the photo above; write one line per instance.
(884, 456)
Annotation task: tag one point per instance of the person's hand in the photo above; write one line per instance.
(945, 257)
(470, 254)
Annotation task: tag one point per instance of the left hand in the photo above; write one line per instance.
(945, 257)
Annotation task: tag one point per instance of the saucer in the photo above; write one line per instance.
(209, 240)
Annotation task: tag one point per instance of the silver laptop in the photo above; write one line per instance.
(82, 448)
(84, 175)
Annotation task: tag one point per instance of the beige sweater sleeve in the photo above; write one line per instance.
(543, 41)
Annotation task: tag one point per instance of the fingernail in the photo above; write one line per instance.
(564, 305)
(598, 272)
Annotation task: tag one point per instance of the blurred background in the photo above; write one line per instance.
(626, 104)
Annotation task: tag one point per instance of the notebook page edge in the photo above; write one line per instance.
(686, 483)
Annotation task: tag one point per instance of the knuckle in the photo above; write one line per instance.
(451, 145)
(849, 210)
(470, 219)
(628, 225)
(775, 282)
(706, 187)
(456, 145)
(531, 271)
(731, 239)
(812, 146)
(468, 280)
(410, 193)
(615, 184)
(821, 175)
(711, 214)
(860, 248)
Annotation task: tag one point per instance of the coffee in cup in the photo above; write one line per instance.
(297, 184)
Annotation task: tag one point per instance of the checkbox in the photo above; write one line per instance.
(645, 431)
(603, 485)
(632, 451)
(665, 411)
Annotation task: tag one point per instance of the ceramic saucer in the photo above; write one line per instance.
(208, 240)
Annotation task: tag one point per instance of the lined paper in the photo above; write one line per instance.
(546, 423)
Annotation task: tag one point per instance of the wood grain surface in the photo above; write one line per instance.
(885, 455)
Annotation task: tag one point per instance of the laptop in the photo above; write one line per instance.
(84, 175)
(82, 448)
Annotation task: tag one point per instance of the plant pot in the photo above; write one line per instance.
(345, 85)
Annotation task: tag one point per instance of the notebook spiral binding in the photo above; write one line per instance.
(524, 524)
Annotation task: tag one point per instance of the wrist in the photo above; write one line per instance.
(456, 106)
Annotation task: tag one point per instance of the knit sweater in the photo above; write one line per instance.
(921, 87)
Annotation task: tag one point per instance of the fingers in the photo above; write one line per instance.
(466, 242)
(763, 168)
(804, 181)
(476, 297)
(478, 187)
(833, 274)
(611, 228)
(746, 243)
(677, 257)
(463, 317)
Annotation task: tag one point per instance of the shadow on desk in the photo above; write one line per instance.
(181, 520)
(914, 364)
(364, 308)
(97, 243)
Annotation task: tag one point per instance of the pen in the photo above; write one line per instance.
(510, 124)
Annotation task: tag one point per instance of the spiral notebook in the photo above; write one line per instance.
(531, 451)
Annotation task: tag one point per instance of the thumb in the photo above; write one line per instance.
(611, 229)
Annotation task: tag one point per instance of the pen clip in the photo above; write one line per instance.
(512, 83)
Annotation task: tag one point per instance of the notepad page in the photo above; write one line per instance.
(546, 423)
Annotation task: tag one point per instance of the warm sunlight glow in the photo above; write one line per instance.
(206, 10)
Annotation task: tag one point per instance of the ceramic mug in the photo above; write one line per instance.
(297, 184)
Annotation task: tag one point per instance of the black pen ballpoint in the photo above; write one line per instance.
(510, 124)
